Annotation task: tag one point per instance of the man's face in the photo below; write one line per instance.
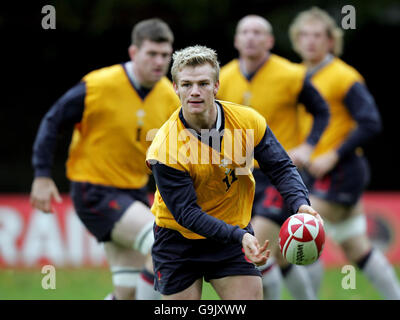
(151, 60)
(196, 88)
(313, 42)
(252, 38)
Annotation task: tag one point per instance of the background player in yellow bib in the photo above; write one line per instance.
(112, 109)
(205, 187)
(273, 86)
(338, 173)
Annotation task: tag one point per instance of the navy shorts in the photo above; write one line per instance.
(268, 202)
(179, 262)
(344, 184)
(100, 207)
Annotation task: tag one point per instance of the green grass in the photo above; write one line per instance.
(95, 284)
(71, 284)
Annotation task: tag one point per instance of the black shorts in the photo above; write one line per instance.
(179, 262)
(344, 184)
(100, 207)
(268, 202)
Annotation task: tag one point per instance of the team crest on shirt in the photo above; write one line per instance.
(246, 98)
(224, 164)
(230, 176)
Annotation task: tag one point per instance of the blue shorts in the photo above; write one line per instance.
(100, 207)
(268, 202)
(344, 184)
(179, 262)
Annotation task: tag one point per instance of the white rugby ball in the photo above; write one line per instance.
(301, 239)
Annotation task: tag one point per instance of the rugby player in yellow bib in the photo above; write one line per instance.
(274, 86)
(112, 110)
(201, 160)
(338, 172)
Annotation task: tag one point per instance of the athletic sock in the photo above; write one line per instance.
(145, 287)
(298, 283)
(315, 273)
(271, 280)
(380, 272)
(125, 277)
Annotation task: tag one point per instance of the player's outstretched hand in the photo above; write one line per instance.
(307, 209)
(43, 191)
(256, 254)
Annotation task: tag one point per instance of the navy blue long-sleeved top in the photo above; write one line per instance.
(317, 106)
(334, 78)
(364, 111)
(67, 111)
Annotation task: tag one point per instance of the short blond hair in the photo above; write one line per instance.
(317, 14)
(194, 56)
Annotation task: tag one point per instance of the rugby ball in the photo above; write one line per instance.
(301, 239)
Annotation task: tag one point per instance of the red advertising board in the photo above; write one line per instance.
(29, 237)
(383, 227)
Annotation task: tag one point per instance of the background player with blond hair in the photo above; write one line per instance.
(112, 109)
(273, 86)
(338, 172)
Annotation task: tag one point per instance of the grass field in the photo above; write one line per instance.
(95, 284)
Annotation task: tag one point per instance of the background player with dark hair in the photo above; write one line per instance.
(273, 86)
(338, 173)
(112, 109)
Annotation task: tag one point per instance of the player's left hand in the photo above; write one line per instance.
(256, 254)
(307, 209)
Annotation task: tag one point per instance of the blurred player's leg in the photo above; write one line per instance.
(330, 211)
(145, 285)
(271, 273)
(315, 273)
(295, 277)
(135, 230)
(125, 265)
(374, 265)
(124, 223)
(348, 227)
(271, 279)
(382, 275)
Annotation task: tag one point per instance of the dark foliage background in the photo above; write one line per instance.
(37, 65)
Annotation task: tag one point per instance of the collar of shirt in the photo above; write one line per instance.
(311, 71)
(142, 91)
